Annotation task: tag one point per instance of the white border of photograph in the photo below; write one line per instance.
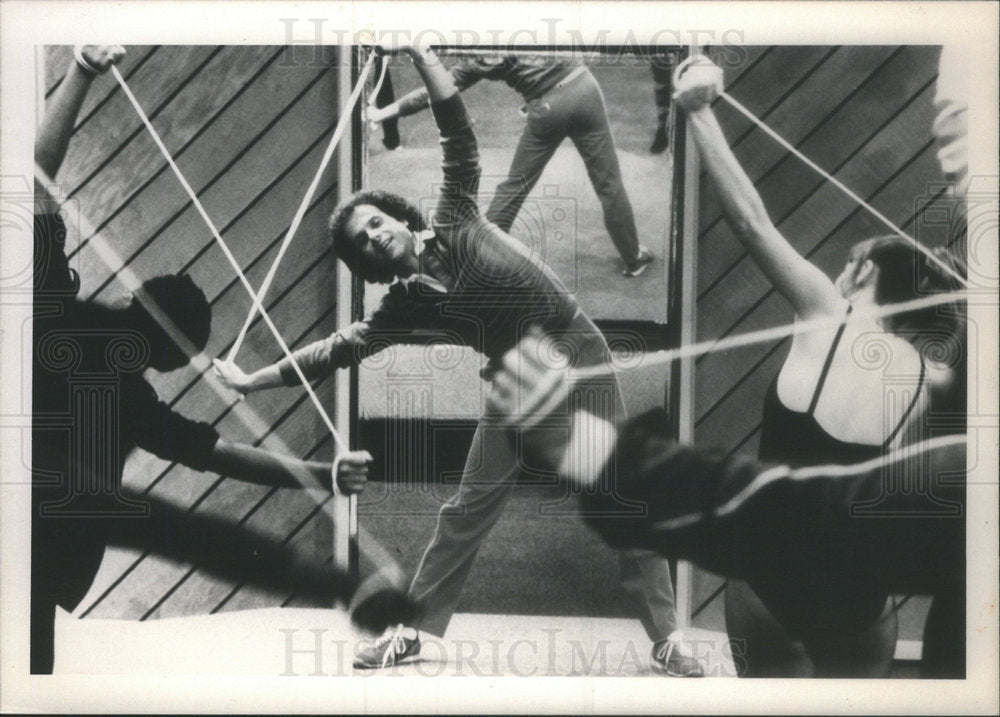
(27, 24)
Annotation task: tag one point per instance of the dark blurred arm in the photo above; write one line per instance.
(256, 465)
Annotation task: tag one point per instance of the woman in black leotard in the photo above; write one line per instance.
(828, 404)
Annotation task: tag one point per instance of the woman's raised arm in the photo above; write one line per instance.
(57, 126)
(809, 290)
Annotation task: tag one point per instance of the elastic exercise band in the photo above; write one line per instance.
(696, 59)
(232, 260)
(666, 356)
(369, 546)
(846, 190)
(303, 206)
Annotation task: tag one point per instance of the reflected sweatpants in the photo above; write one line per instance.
(574, 109)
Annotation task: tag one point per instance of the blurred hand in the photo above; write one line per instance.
(102, 57)
(352, 471)
(374, 115)
(531, 384)
(231, 375)
(531, 393)
(697, 82)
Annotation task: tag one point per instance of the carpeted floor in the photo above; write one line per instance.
(533, 563)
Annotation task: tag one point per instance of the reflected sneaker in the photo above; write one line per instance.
(670, 658)
(390, 649)
(639, 265)
(390, 135)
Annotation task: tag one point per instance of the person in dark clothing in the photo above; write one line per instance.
(795, 532)
(824, 405)
(661, 66)
(467, 277)
(91, 407)
(562, 99)
(385, 97)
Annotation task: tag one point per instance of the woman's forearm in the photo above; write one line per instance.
(61, 110)
(740, 200)
(409, 104)
(384, 114)
(807, 288)
(60, 115)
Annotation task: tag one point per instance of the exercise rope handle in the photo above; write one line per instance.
(706, 65)
(304, 205)
(233, 262)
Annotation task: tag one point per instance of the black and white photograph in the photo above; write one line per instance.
(426, 358)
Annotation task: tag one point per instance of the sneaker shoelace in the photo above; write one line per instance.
(665, 651)
(393, 641)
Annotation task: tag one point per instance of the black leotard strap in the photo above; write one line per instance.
(909, 409)
(829, 361)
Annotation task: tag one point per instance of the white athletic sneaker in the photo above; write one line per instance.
(388, 650)
(670, 657)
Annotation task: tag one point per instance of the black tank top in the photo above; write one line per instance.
(796, 438)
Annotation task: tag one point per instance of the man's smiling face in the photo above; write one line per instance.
(385, 245)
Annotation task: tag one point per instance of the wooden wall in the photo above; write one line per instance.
(247, 125)
(862, 113)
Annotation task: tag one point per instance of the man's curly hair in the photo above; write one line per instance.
(344, 245)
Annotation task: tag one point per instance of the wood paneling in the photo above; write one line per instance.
(864, 114)
(57, 59)
(247, 126)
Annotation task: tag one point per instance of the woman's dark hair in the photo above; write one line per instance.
(343, 244)
(906, 273)
(180, 299)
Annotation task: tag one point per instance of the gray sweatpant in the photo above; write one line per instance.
(491, 471)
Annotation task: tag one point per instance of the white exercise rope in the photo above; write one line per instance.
(697, 60)
(665, 356)
(847, 190)
(546, 397)
(104, 250)
(304, 205)
(233, 262)
(381, 77)
(389, 568)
